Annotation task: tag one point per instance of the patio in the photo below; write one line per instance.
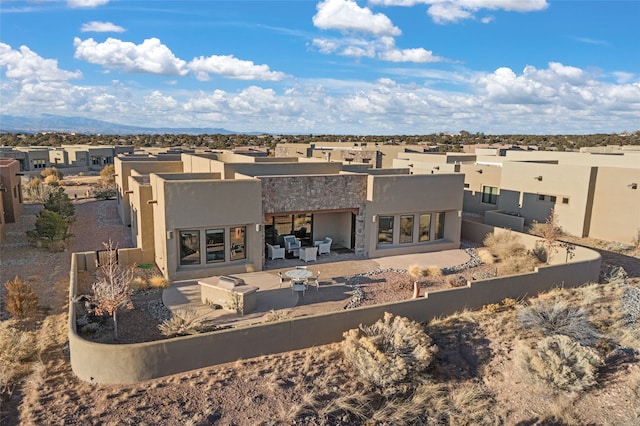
(334, 293)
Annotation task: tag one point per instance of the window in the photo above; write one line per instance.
(406, 229)
(540, 197)
(237, 237)
(215, 245)
(565, 200)
(552, 198)
(385, 229)
(39, 164)
(439, 225)
(425, 227)
(466, 185)
(189, 247)
(490, 195)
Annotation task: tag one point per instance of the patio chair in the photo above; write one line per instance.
(308, 253)
(324, 246)
(314, 281)
(275, 252)
(298, 286)
(291, 243)
(282, 279)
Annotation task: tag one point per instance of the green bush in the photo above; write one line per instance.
(560, 363)
(58, 201)
(390, 352)
(51, 228)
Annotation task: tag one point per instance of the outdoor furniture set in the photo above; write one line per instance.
(300, 279)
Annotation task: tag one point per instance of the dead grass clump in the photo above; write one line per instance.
(182, 323)
(158, 281)
(16, 347)
(504, 244)
(471, 404)
(392, 351)
(485, 256)
(560, 363)
(274, 315)
(20, 300)
(139, 283)
(549, 317)
(517, 264)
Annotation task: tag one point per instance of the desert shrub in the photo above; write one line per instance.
(37, 191)
(561, 363)
(52, 171)
(485, 256)
(553, 317)
(470, 404)
(158, 281)
(456, 280)
(58, 201)
(484, 275)
(274, 315)
(140, 283)
(104, 193)
(16, 347)
(391, 351)
(517, 264)
(51, 230)
(20, 300)
(182, 323)
(504, 244)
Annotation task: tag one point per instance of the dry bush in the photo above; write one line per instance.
(560, 363)
(140, 283)
(182, 323)
(470, 404)
(20, 300)
(416, 272)
(485, 256)
(391, 351)
(504, 244)
(274, 315)
(549, 317)
(424, 405)
(158, 281)
(16, 348)
(456, 280)
(517, 264)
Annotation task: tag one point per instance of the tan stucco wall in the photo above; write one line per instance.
(628, 160)
(130, 363)
(616, 206)
(142, 233)
(413, 194)
(518, 184)
(123, 167)
(185, 202)
(12, 203)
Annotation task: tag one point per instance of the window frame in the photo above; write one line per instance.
(388, 231)
(440, 221)
(403, 228)
(181, 256)
(211, 244)
(490, 196)
(242, 245)
(421, 238)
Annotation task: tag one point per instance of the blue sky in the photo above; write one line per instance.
(330, 66)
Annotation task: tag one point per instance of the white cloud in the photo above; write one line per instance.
(102, 27)
(446, 11)
(26, 65)
(151, 56)
(346, 15)
(86, 3)
(418, 55)
(382, 48)
(156, 101)
(231, 67)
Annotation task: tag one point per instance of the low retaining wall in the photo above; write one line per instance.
(130, 363)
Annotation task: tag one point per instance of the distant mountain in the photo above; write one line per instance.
(61, 124)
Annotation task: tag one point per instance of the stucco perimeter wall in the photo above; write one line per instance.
(130, 363)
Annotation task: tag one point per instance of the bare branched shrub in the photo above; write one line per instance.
(391, 351)
(20, 300)
(550, 232)
(504, 244)
(112, 289)
(551, 317)
(561, 363)
(182, 323)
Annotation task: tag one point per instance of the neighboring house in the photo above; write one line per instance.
(595, 194)
(212, 213)
(10, 193)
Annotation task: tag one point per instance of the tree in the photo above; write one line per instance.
(550, 232)
(58, 201)
(112, 289)
(37, 190)
(50, 227)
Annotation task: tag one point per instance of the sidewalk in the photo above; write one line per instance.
(333, 294)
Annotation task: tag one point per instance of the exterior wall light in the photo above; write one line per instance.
(128, 192)
(480, 171)
(436, 168)
(152, 202)
(633, 185)
(374, 218)
(539, 178)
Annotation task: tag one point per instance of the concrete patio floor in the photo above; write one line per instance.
(333, 294)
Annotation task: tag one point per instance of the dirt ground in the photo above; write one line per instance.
(304, 387)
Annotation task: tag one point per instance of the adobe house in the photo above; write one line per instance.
(594, 194)
(213, 213)
(11, 203)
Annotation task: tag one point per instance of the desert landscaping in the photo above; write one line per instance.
(474, 367)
